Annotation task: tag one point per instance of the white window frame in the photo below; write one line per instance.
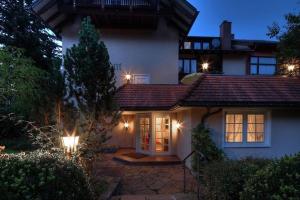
(146, 76)
(244, 143)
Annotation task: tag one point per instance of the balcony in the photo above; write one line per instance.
(115, 13)
(113, 4)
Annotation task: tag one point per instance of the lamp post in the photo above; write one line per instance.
(70, 144)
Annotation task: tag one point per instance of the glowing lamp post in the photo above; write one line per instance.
(70, 144)
(128, 78)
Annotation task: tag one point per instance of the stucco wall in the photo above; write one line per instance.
(153, 52)
(124, 138)
(234, 64)
(184, 137)
(285, 134)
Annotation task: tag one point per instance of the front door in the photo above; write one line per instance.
(145, 133)
(162, 134)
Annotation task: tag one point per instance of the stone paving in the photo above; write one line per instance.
(146, 180)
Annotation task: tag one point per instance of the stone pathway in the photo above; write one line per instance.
(145, 180)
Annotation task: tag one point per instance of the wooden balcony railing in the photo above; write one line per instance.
(118, 4)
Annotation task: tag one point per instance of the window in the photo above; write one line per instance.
(197, 45)
(206, 45)
(262, 65)
(247, 129)
(117, 67)
(187, 66)
(187, 45)
(234, 128)
(141, 79)
(256, 128)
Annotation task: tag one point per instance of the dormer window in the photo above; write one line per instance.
(262, 65)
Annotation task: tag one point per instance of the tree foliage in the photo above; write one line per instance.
(289, 43)
(22, 84)
(91, 86)
(20, 27)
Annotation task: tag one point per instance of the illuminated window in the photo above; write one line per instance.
(255, 128)
(234, 128)
(247, 129)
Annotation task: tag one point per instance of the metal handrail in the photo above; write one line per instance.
(200, 156)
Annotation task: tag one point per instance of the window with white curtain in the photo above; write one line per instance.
(247, 129)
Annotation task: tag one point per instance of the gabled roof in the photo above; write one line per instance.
(213, 91)
(182, 14)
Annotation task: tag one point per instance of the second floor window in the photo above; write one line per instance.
(188, 66)
(263, 65)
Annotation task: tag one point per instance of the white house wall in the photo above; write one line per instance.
(151, 52)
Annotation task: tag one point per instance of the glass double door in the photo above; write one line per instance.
(154, 134)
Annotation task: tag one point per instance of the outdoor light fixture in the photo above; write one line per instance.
(126, 125)
(290, 68)
(205, 66)
(128, 77)
(70, 143)
(178, 125)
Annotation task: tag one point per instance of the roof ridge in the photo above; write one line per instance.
(190, 90)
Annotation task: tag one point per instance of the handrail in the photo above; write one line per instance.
(200, 156)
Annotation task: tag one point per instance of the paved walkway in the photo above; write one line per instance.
(145, 180)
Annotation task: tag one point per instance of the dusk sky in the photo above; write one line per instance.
(250, 18)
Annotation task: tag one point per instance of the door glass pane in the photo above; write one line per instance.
(186, 66)
(193, 66)
(253, 69)
(162, 134)
(145, 133)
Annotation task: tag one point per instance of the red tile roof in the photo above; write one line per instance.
(218, 90)
(149, 97)
(213, 90)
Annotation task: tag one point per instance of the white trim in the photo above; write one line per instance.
(245, 144)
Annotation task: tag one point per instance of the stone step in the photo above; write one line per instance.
(156, 197)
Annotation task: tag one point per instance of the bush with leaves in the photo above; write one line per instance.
(202, 142)
(278, 180)
(42, 175)
(226, 179)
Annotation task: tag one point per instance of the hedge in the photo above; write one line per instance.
(226, 179)
(279, 180)
(40, 175)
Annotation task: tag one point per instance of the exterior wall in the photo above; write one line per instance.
(120, 136)
(285, 135)
(235, 64)
(184, 138)
(151, 52)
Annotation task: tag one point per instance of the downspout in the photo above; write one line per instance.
(208, 114)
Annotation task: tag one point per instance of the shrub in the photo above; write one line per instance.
(226, 179)
(279, 180)
(202, 142)
(41, 175)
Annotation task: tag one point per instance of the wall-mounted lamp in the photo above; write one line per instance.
(128, 78)
(290, 68)
(126, 125)
(178, 125)
(205, 66)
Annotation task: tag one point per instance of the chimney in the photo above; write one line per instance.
(225, 34)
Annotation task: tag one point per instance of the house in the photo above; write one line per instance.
(227, 55)
(249, 110)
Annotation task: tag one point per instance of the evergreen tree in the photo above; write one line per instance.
(289, 44)
(20, 27)
(91, 81)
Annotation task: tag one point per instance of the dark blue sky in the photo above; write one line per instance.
(249, 18)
